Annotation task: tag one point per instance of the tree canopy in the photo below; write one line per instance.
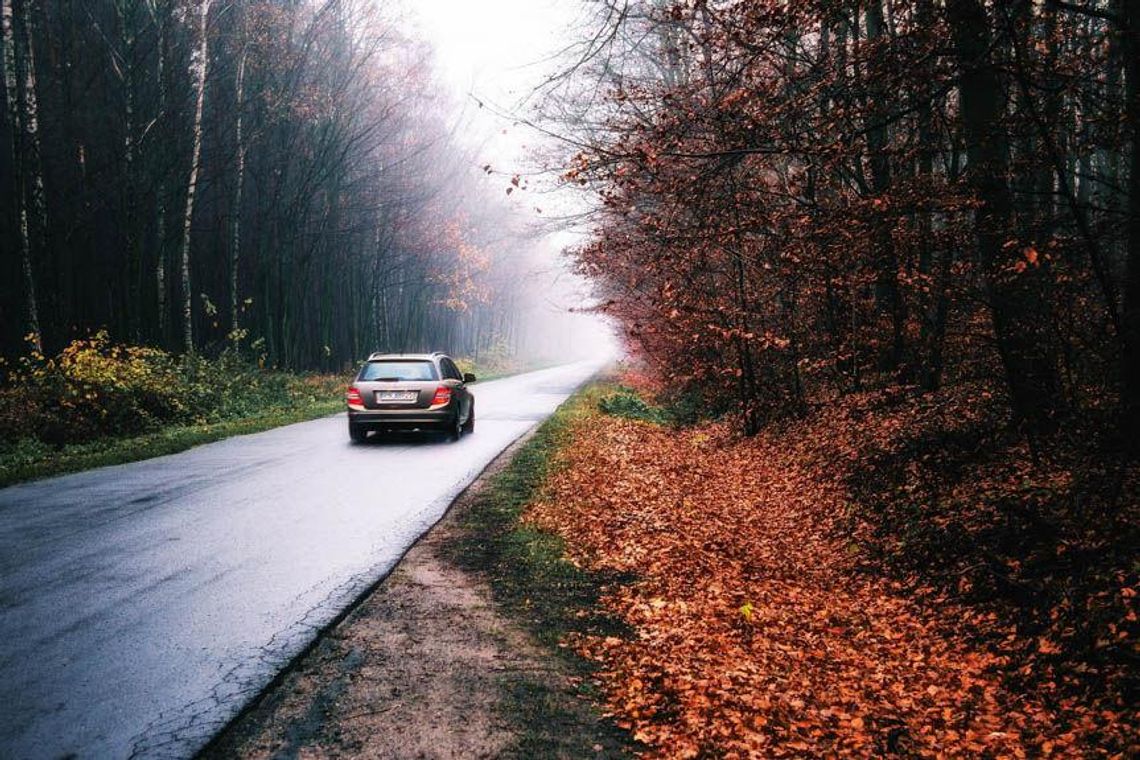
(798, 200)
(285, 176)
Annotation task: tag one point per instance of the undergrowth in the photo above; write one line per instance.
(625, 402)
(540, 589)
(98, 402)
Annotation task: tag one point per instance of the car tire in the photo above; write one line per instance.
(357, 433)
(469, 426)
(455, 432)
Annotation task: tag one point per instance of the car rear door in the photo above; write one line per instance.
(454, 378)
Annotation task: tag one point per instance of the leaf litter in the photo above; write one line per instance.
(757, 629)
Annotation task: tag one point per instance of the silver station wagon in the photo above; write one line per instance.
(410, 392)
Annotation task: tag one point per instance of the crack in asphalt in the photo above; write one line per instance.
(169, 735)
(144, 606)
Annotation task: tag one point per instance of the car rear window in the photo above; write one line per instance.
(399, 370)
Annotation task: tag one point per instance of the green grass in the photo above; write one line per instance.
(624, 402)
(30, 459)
(551, 598)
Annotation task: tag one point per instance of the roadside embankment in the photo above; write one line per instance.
(889, 576)
(99, 403)
(455, 654)
(624, 586)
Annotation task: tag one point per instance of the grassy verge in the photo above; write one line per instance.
(234, 399)
(539, 589)
(31, 460)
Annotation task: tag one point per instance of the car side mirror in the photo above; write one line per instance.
(468, 377)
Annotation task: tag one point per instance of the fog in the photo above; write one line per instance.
(302, 183)
(494, 56)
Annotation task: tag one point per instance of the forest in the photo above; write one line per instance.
(799, 200)
(285, 178)
(867, 482)
(891, 249)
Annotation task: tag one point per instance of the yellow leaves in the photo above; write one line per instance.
(746, 611)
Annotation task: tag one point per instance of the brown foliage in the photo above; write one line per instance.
(800, 200)
(768, 621)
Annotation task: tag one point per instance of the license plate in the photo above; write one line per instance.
(387, 397)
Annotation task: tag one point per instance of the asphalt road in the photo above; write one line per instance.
(141, 606)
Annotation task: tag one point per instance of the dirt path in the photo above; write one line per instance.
(423, 668)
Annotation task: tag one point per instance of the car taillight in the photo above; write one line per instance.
(442, 395)
(353, 396)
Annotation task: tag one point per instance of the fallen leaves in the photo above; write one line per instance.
(753, 631)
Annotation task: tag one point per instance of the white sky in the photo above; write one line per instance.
(495, 45)
(478, 40)
(498, 51)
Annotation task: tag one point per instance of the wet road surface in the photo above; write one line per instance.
(142, 605)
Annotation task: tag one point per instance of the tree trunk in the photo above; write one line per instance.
(1016, 284)
(840, 304)
(235, 232)
(23, 125)
(1131, 368)
(160, 192)
(29, 105)
(887, 292)
(201, 64)
(126, 11)
(933, 305)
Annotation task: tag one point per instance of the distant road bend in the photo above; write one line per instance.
(141, 606)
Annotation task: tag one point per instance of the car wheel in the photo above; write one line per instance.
(469, 426)
(456, 431)
(357, 433)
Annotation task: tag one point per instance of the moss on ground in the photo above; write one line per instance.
(537, 587)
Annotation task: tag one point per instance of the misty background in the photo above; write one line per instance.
(302, 183)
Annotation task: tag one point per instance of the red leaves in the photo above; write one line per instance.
(753, 631)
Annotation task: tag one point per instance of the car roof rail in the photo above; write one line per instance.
(381, 354)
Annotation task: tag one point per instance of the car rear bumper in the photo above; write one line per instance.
(402, 419)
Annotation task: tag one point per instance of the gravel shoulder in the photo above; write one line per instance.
(427, 666)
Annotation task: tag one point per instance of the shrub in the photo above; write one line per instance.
(109, 389)
(626, 403)
(91, 389)
(95, 388)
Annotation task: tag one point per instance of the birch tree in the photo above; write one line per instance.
(199, 67)
(19, 89)
(160, 14)
(239, 183)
